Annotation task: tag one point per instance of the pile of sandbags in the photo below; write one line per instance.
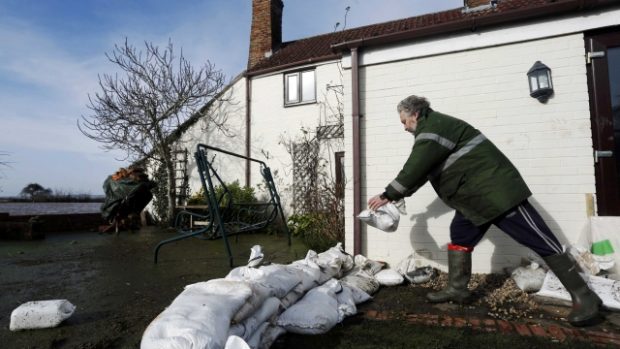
(252, 306)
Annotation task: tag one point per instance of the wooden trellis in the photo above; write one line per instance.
(305, 173)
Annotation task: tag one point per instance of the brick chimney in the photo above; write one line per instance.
(266, 32)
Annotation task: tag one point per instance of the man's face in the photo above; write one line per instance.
(410, 122)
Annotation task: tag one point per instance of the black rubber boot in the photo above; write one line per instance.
(586, 304)
(459, 273)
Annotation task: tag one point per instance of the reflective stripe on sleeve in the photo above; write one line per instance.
(437, 138)
(398, 187)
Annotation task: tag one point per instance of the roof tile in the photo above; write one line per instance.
(318, 47)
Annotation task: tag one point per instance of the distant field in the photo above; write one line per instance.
(30, 208)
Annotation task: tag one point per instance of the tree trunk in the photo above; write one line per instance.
(171, 189)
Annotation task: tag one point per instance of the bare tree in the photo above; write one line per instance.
(140, 112)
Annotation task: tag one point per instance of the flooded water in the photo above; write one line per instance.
(30, 208)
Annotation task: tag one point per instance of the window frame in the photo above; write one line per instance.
(299, 74)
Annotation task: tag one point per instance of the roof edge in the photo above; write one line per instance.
(552, 8)
(250, 73)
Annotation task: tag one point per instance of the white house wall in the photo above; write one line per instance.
(230, 111)
(549, 143)
(487, 38)
(273, 124)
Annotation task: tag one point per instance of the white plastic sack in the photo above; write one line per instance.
(255, 340)
(259, 294)
(357, 294)
(270, 335)
(293, 296)
(316, 313)
(346, 303)
(530, 278)
(325, 274)
(335, 261)
(605, 232)
(40, 314)
(235, 342)
(199, 317)
(389, 277)
(369, 265)
(256, 256)
(363, 280)
(265, 313)
(607, 289)
(277, 277)
(310, 273)
(385, 217)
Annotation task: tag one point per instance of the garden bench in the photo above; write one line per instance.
(222, 217)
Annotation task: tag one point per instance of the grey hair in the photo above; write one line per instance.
(412, 104)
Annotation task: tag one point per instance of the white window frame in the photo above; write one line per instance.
(300, 98)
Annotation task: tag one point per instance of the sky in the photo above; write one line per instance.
(52, 51)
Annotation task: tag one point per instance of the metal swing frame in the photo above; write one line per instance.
(223, 217)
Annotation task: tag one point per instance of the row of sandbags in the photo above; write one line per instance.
(252, 306)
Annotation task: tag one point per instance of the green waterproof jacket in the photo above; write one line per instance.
(468, 172)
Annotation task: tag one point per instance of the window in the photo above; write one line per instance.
(299, 88)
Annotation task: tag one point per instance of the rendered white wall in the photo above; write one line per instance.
(273, 124)
(549, 143)
(230, 111)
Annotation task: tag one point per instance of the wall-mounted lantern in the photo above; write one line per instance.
(541, 86)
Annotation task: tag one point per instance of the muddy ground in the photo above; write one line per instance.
(118, 291)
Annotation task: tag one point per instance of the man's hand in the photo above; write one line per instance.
(377, 201)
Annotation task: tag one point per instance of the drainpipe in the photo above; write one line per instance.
(248, 128)
(355, 111)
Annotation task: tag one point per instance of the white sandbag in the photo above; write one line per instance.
(386, 217)
(310, 272)
(292, 297)
(368, 265)
(346, 303)
(245, 274)
(362, 280)
(335, 261)
(420, 275)
(266, 313)
(275, 276)
(357, 294)
(40, 314)
(607, 289)
(272, 332)
(415, 268)
(313, 258)
(199, 317)
(256, 256)
(255, 340)
(529, 278)
(281, 278)
(389, 277)
(315, 313)
(259, 294)
(235, 342)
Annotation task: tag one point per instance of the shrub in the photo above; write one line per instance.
(239, 194)
(318, 230)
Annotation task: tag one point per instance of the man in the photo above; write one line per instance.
(471, 175)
